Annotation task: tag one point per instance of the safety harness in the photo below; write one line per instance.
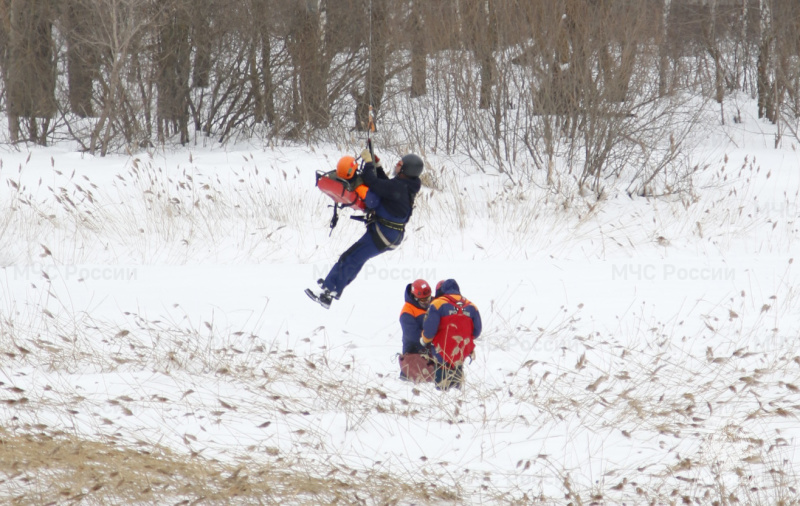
(384, 242)
(400, 227)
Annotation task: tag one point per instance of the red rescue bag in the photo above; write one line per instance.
(344, 192)
(416, 367)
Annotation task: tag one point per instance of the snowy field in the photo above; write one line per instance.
(158, 347)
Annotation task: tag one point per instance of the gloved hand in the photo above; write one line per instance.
(367, 157)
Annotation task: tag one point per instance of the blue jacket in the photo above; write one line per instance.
(391, 199)
(411, 318)
(442, 307)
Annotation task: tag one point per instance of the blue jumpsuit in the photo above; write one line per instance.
(390, 202)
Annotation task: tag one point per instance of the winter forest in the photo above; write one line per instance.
(514, 86)
(613, 183)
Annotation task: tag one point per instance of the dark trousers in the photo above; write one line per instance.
(447, 376)
(350, 263)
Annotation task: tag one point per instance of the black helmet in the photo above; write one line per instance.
(412, 165)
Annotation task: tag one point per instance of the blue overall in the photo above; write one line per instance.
(391, 201)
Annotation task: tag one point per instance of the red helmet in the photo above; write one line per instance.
(439, 288)
(346, 167)
(420, 289)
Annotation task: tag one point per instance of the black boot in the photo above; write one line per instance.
(323, 297)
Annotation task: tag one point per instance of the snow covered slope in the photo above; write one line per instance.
(634, 349)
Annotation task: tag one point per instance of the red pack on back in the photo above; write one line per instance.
(454, 341)
(342, 191)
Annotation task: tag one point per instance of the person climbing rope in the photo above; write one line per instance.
(389, 204)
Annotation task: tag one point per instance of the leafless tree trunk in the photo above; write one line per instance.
(617, 58)
(664, 52)
(173, 72)
(82, 59)
(266, 73)
(30, 68)
(479, 28)
(419, 51)
(5, 49)
(305, 47)
(378, 53)
(766, 106)
(201, 37)
(265, 94)
(712, 45)
(375, 78)
(785, 23)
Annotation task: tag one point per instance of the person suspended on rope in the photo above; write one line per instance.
(389, 204)
(415, 363)
(451, 325)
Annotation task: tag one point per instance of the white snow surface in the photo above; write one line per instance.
(628, 342)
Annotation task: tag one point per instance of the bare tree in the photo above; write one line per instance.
(78, 21)
(783, 93)
(377, 41)
(140, 70)
(201, 14)
(5, 49)
(589, 100)
(30, 70)
(766, 103)
(305, 42)
(173, 70)
(479, 28)
(419, 49)
(265, 93)
(663, 45)
(618, 49)
(118, 36)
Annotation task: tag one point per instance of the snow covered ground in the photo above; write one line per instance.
(634, 349)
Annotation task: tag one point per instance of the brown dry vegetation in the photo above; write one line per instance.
(39, 466)
(711, 418)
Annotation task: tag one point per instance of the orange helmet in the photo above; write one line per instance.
(346, 167)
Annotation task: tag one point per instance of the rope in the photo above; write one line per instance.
(369, 66)
(370, 120)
